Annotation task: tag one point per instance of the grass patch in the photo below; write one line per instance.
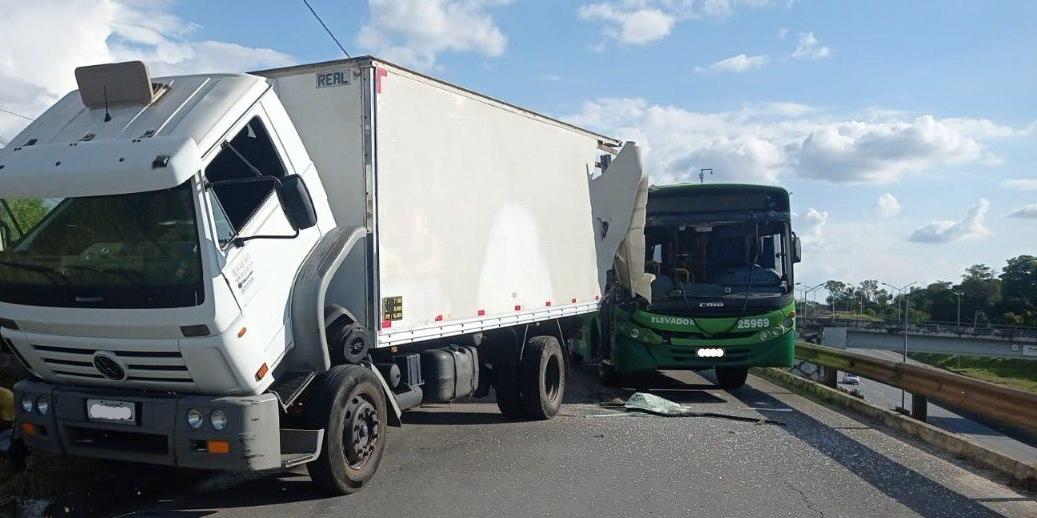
(1011, 372)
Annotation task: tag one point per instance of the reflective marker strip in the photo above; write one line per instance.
(386, 324)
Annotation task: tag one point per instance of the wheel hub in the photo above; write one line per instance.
(362, 430)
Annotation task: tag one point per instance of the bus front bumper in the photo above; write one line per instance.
(630, 355)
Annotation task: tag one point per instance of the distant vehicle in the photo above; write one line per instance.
(851, 379)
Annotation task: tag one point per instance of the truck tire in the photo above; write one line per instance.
(731, 378)
(506, 388)
(348, 402)
(542, 378)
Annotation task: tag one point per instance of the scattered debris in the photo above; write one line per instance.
(655, 405)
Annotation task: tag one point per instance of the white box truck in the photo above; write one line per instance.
(259, 271)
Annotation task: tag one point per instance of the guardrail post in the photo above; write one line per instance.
(830, 376)
(919, 407)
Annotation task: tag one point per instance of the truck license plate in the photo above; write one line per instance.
(111, 411)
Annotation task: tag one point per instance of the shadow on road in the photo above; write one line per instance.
(901, 483)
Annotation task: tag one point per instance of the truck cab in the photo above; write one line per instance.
(130, 262)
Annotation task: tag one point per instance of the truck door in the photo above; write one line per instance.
(260, 272)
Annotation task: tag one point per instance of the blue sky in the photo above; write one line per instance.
(904, 130)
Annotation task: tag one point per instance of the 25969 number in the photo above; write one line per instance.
(753, 323)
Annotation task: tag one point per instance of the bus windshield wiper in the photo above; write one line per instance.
(52, 274)
(133, 277)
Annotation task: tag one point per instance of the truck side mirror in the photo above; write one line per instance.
(797, 249)
(297, 203)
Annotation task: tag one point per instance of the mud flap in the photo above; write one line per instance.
(394, 416)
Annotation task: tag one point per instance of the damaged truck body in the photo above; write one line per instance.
(259, 271)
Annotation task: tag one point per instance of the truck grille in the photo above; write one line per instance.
(76, 364)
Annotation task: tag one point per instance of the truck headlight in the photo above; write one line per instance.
(43, 405)
(218, 419)
(27, 403)
(194, 418)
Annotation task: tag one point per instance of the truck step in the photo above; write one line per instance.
(289, 460)
(300, 446)
(290, 385)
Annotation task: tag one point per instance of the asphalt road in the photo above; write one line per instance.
(464, 459)
(890, 397)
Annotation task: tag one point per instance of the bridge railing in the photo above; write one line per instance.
(1011, 407)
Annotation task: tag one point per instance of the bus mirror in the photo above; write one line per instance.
(296, 201)
(797, 249)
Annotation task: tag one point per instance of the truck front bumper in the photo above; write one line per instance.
(251, 439)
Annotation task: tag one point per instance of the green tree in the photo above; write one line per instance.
(1019, 290)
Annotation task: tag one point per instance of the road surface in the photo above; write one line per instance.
(464, 459)
(886, 396)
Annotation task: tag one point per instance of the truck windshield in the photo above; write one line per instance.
(137, 250)
(719, 259)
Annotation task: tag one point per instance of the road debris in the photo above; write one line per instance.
(651, 404)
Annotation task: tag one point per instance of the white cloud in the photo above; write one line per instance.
(782, 32)
(882, 152)
(762, 141)
(887, 205)
(415, 32)
(812, 227)
(638, 22)
(948, 231)
(1021, 184)
(739, 63)
(45, 40)
(809, 48)
(1027, 212)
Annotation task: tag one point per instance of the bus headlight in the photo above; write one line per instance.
(27, 403)
(634, 332)
(43, 405)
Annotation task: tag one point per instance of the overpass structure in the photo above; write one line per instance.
(929, 337)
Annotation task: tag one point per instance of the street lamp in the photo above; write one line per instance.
(903, 321)
(807, 291)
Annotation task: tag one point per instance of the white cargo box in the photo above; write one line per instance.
(479, 212)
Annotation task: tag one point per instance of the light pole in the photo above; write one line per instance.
(907, 307)
(956, 294)
(807, 291)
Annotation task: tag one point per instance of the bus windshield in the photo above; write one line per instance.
(719, 259)
(137, 250)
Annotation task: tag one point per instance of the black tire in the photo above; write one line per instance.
(542, 378)
(506, 388)
(731, 378)
(348, 402)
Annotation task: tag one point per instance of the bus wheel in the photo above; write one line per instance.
(348, 403)
(543, 377)
(731, 378)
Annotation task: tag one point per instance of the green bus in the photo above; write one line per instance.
(722, 297)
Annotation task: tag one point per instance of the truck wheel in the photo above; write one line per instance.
(506, 388)
(348, 402)
(731, 378)
(543, 377)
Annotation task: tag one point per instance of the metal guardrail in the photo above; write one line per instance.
(1011, 407)
(928, 327)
